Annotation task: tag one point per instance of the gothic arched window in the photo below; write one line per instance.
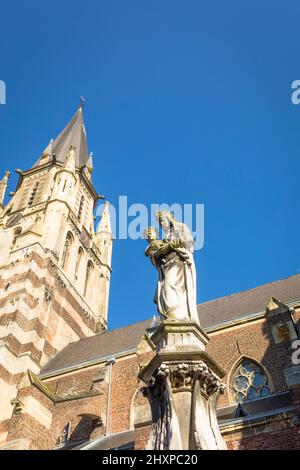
(78, 262)
(88, 278)
(249, 381)
(67, 249)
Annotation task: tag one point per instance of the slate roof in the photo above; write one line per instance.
(73, 135)
(103, 344)
(210, 313)
(249, 301)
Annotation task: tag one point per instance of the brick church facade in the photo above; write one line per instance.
(66, 380)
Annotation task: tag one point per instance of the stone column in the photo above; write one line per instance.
(183, 384)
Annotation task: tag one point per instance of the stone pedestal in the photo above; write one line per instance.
(183, 387)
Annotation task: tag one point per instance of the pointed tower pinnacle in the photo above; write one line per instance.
(3, 186)
(105, 225)
(74, 135)
(90, 164)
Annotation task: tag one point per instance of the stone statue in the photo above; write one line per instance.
(183, 383)
(173, 258)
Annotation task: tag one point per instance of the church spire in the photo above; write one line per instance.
(74, 135)
(3, 186)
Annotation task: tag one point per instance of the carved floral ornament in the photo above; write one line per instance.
(183, 377)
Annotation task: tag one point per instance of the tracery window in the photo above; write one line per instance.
(249, 381)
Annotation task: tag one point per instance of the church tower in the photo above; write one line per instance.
(54, 269)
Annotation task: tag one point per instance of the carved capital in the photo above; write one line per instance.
(183, 376)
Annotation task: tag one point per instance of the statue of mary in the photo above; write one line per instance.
(173, 258)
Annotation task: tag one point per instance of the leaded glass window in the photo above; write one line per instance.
(249, 382)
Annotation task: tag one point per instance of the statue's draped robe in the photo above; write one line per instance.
(207, 435)
(176, 288)
(165, 433)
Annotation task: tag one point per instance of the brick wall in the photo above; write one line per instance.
(87, 415)
(142, 437)
(288, 439)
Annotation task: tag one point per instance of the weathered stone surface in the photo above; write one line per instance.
(292, 376)
(183, 387)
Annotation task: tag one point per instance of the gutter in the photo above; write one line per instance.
(110, 362)
(247, 419)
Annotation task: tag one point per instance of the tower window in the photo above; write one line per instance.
(33, 193)
(78, 262)
(249, 381)
(80, 210)
(67, 250)
(88, 278)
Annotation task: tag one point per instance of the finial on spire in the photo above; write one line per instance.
(82, 102)
(90, 164)
(3, 186)
(6, 175)
(105, 225)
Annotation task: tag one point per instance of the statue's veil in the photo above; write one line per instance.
(181, 231)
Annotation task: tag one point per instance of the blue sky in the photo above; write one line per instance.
(186, 102)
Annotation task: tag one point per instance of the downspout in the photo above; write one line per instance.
(110, 362)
